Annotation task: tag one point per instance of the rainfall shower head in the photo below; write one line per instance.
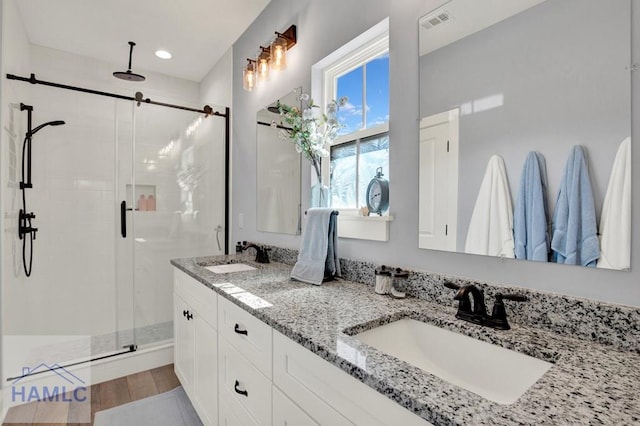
(128, 75)
(50, 123)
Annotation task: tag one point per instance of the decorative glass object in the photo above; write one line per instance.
(319, 195)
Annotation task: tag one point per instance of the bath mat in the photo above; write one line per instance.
(171, 408)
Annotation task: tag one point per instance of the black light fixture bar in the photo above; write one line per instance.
(207, 110)
(291, 35)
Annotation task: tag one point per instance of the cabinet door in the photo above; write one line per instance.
(205, 382)
(184, 343)
(232, 413)
(244, 382)
(286, 413)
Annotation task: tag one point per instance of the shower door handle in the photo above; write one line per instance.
(123, 219)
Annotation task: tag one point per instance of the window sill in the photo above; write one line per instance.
(352, 225)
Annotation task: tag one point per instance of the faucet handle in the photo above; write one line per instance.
(499, 314)
(452, 286)
(514, 297)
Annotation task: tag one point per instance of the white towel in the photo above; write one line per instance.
(491, 226)
(615, 222)
(313, 253)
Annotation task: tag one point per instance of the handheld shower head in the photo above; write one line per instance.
(50, 123)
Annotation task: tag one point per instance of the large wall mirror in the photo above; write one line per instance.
(278, 173)
(509, 77)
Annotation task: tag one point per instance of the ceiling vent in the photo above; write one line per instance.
(436, 19)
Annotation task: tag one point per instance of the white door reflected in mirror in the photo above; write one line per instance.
(518, 92)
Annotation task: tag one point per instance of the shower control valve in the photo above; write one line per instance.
(27, 215)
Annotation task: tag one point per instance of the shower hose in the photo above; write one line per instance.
(24, 222)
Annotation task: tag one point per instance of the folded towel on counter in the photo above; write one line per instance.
(312, 258)
(491, 226)
(530, 217)
(615, 222)
(574, 238)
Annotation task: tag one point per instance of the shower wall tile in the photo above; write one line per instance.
(75, 198)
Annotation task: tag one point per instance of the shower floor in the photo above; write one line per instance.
(142, 336)
(29, 351)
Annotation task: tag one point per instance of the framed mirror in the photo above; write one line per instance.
(510, 77)
(278, 173)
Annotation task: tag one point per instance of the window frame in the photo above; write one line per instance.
(346, 63)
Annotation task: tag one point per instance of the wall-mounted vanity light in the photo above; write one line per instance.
(272, 58)
(264, 63)
(249, 75)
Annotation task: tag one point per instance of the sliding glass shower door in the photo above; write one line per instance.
(77, 300)
(177, 198)
(118, 191)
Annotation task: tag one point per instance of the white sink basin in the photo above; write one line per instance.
(498, 374)
(229, 267)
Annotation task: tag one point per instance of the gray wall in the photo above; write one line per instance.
(325, 25)
(566, 87)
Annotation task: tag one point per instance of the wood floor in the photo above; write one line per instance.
(103, 395)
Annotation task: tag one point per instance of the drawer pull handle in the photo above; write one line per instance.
(184, 313)
(241, 392)
(189, 316)
(239, 331)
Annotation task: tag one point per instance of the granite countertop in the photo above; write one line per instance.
(589, 383)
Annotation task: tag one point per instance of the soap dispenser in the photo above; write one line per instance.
(399, 283)
(383, 280)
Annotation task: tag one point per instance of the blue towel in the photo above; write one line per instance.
(530, 217)
(332, 264)
(574, 231)
(310, 267)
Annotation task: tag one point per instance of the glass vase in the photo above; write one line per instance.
(319, 195)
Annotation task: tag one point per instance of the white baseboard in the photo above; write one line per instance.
(99, 371)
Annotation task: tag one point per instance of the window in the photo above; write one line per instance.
(361, 75)
(353, 164)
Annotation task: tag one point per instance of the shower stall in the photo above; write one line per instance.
(127, 184)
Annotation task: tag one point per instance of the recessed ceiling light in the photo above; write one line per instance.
(163, 54)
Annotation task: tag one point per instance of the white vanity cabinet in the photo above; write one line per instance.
(196, 344)
(238, 371)
(286, 413)
(244, 363)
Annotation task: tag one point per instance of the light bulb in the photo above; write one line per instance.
(279, 53)
(249, 76)
(263, 67)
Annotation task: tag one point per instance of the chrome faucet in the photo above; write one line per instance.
(262, 253)
(477, 313)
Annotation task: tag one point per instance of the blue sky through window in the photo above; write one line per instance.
(377, 91)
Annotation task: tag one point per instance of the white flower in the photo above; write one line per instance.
(274, 124)
(343, 101)
(307, 114)
(310, 135)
